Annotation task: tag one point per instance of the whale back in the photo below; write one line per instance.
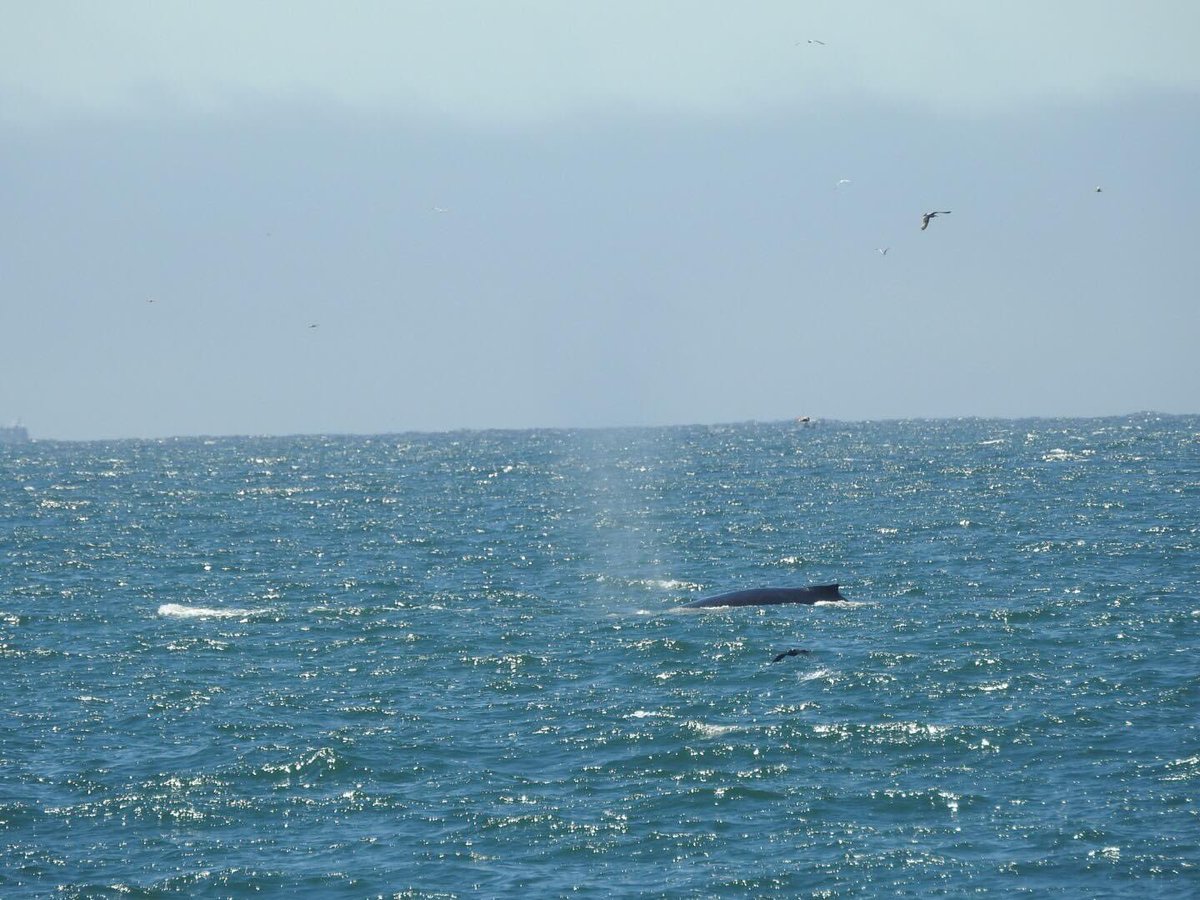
(772, 596)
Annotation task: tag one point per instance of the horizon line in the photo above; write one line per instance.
(812, 421)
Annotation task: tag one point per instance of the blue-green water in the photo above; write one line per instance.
(453, 665)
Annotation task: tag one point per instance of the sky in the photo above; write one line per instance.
(326, 218)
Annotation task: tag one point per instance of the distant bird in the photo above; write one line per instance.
(1098, 189)
(925, 219)
(149, 299)
(313, 325)
(812, 41)
(882, 251)
(842, 181)
(787, 653)
(439, 209)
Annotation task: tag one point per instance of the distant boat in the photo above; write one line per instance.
(14, 434)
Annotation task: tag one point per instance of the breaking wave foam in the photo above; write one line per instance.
(181, 611)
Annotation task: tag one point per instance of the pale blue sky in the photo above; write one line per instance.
(576, 214)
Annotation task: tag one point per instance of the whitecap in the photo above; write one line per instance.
(712, 731)
(1060, 455)
(182, 611)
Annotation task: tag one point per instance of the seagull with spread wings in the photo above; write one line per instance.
(925, 219)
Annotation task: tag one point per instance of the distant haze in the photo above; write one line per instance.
(547, 214)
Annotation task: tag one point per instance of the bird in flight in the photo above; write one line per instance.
(882, 251)
(812, 41)
(792, 652)
(1098, 189)
(925, 219)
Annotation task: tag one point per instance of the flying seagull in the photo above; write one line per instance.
(929, 215)
(812, 41)
(1098, 189)
(883, 250)
(788, 653)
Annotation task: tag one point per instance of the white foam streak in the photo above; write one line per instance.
(181, 611)
(704, 729)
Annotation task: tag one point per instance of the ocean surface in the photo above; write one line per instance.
(454, 665)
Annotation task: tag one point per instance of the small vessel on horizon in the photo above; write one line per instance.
(14, 434)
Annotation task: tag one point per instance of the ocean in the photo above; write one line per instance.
(454, 665)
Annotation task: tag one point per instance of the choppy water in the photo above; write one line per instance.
(453, 666)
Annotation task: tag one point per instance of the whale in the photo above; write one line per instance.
(779, 657)
(770, 597)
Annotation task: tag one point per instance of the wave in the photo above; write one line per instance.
(181, 611)
(705, 729)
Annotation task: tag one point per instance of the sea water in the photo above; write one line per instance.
(454, 665)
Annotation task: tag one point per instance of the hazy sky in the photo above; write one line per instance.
(546, 213)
